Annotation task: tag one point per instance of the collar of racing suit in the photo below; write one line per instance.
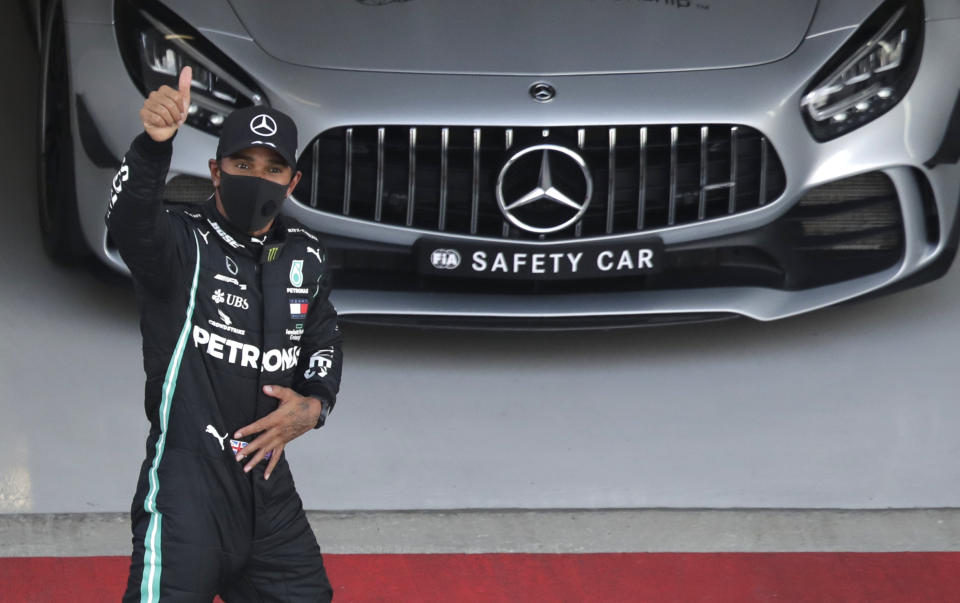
(252, 245)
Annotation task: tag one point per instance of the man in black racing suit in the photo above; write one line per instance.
(241, 350)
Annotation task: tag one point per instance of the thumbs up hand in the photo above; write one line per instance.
(165, 109)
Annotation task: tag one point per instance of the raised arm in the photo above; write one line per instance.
(135, 217)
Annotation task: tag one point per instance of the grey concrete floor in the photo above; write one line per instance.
(540, 531)
(850, 407)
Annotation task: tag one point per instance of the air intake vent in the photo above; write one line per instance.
(187, 189)
(841, 230)
(856, 214)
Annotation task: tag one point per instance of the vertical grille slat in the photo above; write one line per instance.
(412, 176)
(378, 207)
(642, 184)
(443, 178)
(444, 152)
(611, 178)
(347, 171)
(507, 142)
(672, 207)
(704, 147)
(475, 183)
(581, 145)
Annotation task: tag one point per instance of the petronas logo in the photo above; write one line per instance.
(296, 273)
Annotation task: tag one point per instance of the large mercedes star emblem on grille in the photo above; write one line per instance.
(541, 205)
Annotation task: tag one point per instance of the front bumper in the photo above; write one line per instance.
(766, 273)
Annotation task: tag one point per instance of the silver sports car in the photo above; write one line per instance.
(545, 164)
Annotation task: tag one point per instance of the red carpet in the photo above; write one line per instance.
(687, 577)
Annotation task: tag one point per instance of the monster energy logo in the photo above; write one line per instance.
(270, 253)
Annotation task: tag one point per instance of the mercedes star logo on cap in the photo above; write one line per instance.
(263, 125)
(545, 192)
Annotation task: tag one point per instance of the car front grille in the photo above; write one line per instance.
(444, 179)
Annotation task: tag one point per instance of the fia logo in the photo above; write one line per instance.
(296, 273)
(445, 259)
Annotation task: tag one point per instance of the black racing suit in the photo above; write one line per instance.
(222, 314)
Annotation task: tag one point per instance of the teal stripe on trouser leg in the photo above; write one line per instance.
(150, 581)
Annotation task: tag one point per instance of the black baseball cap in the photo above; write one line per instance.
(259, 126)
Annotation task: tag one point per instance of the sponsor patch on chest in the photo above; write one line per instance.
(244, 354)
(298, 308)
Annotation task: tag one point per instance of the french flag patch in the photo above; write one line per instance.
(298, 308)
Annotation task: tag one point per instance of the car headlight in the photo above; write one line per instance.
(156, 45)
(869, 75)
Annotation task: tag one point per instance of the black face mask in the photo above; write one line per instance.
(250, 202)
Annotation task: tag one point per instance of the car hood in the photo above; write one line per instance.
(530, 38)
